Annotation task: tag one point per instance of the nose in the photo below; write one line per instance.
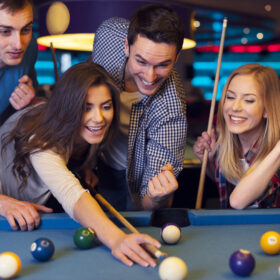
(16, 41)
(150, 74)
(237, 106)
(97, 115)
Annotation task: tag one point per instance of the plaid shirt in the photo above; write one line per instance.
(270, 198)
(158, 125)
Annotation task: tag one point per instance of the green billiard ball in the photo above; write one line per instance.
(84, 238)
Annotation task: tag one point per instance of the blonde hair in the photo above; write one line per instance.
(228, 144)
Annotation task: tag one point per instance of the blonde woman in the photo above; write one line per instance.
(244, 150)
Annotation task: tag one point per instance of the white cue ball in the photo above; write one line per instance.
(58, 18)
(172, 268)
(170, 233)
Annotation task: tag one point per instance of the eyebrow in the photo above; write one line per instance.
(11, 27)
(105, 102)
(163, 62)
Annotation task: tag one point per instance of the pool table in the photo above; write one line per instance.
(206, 245)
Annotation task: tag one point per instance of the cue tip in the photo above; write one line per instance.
(156, 253)
(162, 256)
(225, 22)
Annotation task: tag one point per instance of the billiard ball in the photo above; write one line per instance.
(242, 262)
(170, 233)
(173, 268)
(84, 238)
(270, 242)
(10, 265)
(42, 249)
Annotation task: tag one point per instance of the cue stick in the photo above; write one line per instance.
(54, 62)
(210, 120)
(152, 249)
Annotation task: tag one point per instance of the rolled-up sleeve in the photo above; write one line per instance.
(61, 182)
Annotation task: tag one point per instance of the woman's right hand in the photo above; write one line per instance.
(128, 249)
(205, 142)
(21, 214)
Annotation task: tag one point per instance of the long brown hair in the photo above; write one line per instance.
(56, 123)
(228, 143)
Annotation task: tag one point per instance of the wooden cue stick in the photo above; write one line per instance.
(210, 120)
(54, 62)
(153, 250)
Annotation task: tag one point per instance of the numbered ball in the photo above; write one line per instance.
(170, 233)
(270, 242)
(42, 249)
(242, 262)
(10, 265)
(84, 238)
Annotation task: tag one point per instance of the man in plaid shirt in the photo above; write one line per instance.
(138, 170)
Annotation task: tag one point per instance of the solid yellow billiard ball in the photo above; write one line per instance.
(270, 242)
(10, 265)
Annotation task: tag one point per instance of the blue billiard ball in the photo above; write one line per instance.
(242, 262)
(42, 249)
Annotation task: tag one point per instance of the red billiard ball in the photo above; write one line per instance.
(42, 249)
(242, 262)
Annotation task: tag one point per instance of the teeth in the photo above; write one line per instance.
(237, 118)
(94, 128)
(147, 83)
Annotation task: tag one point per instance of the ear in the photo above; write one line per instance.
(264, 114)
(126, 47)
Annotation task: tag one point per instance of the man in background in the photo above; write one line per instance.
(18, 54)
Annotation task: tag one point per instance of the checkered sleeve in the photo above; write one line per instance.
(108, 48)
(162, 150)
(166, 137)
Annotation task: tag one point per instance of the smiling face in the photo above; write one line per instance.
(243, 109)
(15, 34)
(149, 65)
(98, 116)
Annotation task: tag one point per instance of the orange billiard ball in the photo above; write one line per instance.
(10, 265)
(270, 242)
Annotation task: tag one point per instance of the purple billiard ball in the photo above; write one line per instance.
(42, 249)
(242, 262)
